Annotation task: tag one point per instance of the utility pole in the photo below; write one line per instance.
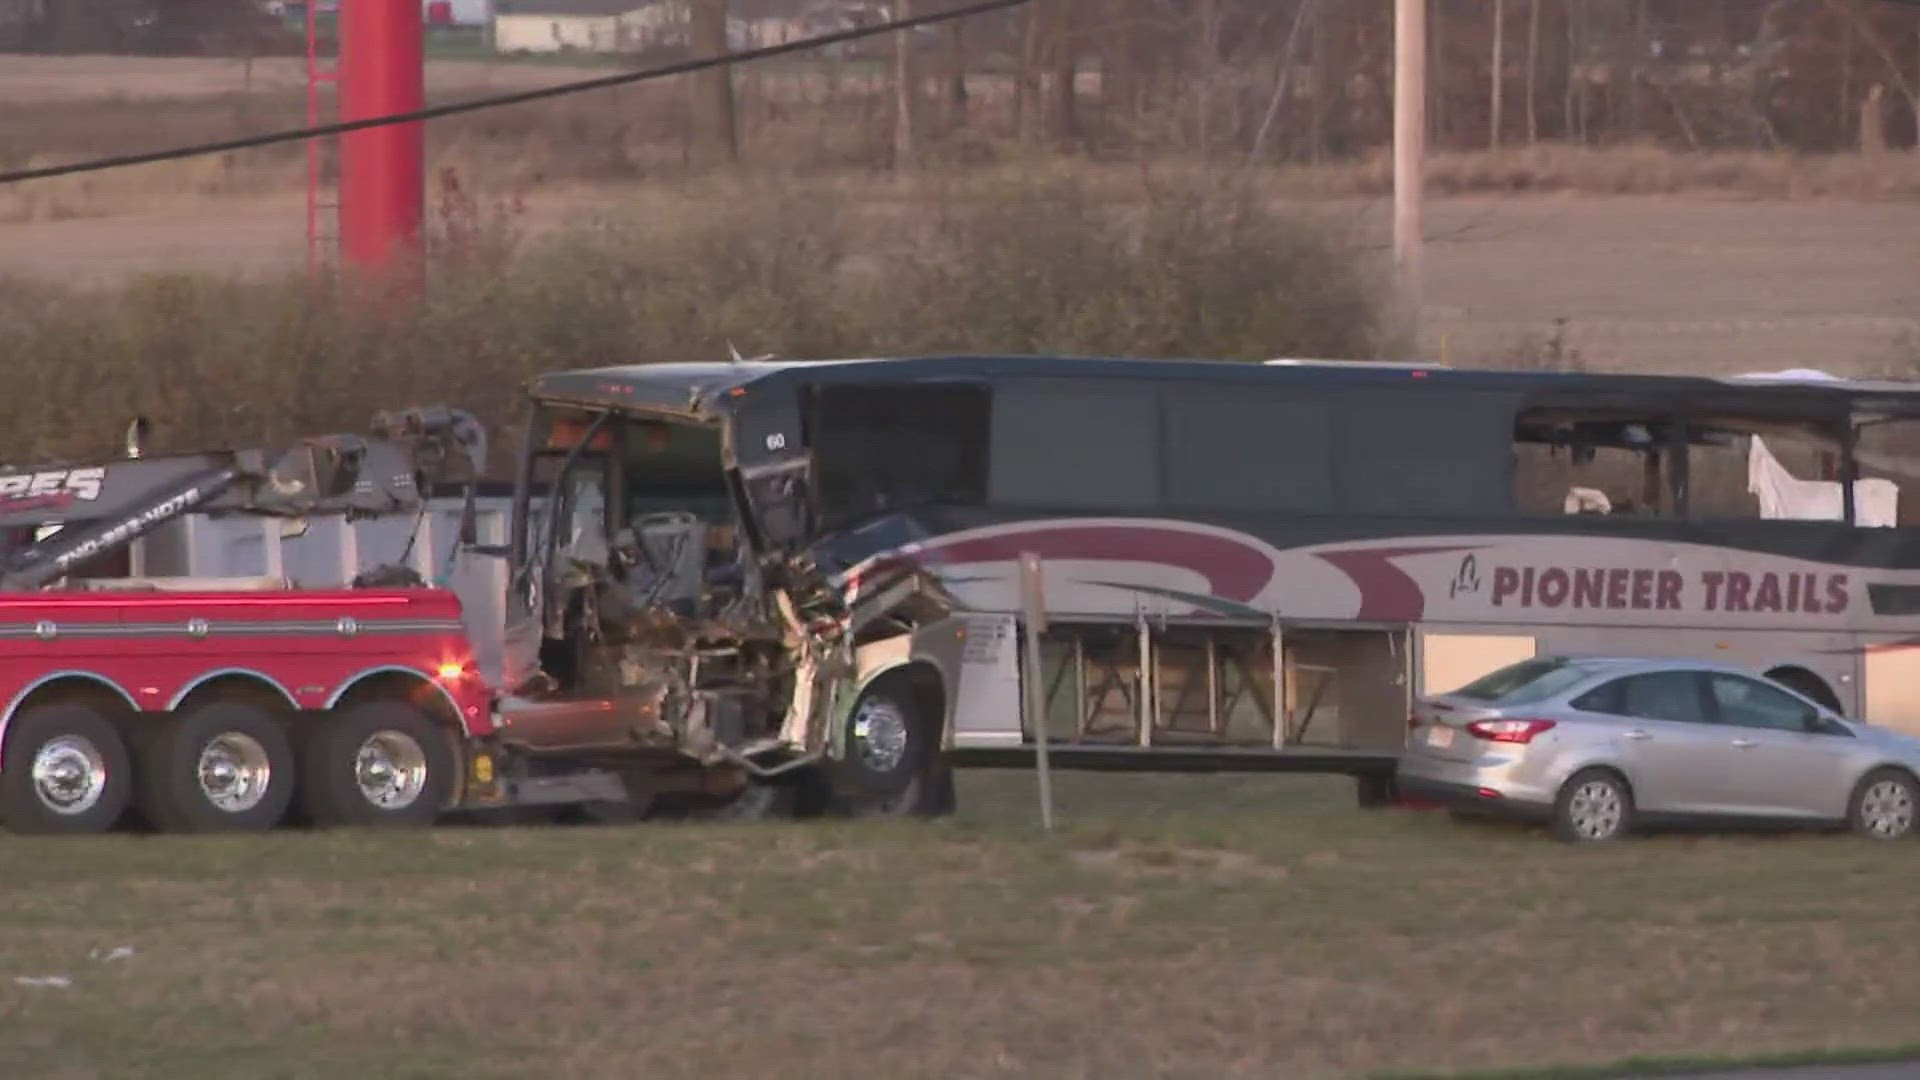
(1497, 105)
(716, 129)
(1409, 149)
(905, 91)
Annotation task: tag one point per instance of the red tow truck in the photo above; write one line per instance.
(185, 693)
(179, 703)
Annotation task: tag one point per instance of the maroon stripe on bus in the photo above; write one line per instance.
(1234, 570)
(1387, 593)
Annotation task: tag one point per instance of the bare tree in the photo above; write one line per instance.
(1638, 42)
(957, 74)
(1575, 101)
(903, 90)
(1064, 53)
(1873, 131)
(1281, 82)
(716, 130)
(1027, 83)
(1847, 44)
(1206, 74)
(1320, 87)
(1533, 72)
(1909, 88)
(75, 26)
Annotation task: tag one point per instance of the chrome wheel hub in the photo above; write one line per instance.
(1887, 808)
(69, 775)
(880, 733)
(1595, 810)
(235, 772)
(391, 770)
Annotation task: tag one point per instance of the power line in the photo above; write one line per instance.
(121, 161)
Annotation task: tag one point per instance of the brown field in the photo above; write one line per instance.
(1177, 928)
(1657, 283)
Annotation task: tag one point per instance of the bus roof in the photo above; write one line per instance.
(710, 389)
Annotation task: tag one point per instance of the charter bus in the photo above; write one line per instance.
(1259, 565)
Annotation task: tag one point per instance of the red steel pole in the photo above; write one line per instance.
(383, 188)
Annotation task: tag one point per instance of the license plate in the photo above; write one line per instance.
(1440, 736)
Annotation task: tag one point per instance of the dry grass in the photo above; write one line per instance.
(619, 156)
(217, 359)
(1178, 928)
(1645, 170)
(553, 147)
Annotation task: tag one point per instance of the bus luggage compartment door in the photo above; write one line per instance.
(1347, 688)
(987, 708)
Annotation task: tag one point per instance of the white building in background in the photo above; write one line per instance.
(604, 26)
(433, 12)
(460, 12)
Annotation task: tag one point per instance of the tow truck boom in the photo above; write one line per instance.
(101, 508)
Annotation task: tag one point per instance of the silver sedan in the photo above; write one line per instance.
(1595, 746)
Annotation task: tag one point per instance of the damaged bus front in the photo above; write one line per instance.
(669, 632)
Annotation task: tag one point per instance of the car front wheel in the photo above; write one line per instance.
(1883, 806)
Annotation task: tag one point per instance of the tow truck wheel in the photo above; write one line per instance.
(886, 766)
(66, 771)
(376, 764)
(225, 766)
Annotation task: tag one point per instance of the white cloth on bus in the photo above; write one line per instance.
(1783, 496)
(1798, 374)
(1586, 500)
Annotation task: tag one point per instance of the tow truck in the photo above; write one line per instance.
(202, 704)
(657, 657)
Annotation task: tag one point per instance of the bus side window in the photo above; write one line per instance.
(885, 448)
(1775, 471)
(1421, 451)
(1887, 455)
(1056, 444)
(1568, 462)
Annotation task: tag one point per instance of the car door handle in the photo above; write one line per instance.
(1744, 744)
(1636, 735)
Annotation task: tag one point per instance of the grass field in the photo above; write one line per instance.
(1651, 283)
(1176, 927)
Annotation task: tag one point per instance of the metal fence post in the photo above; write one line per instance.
(1033, 600)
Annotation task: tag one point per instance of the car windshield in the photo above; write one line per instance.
(1526, 681)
